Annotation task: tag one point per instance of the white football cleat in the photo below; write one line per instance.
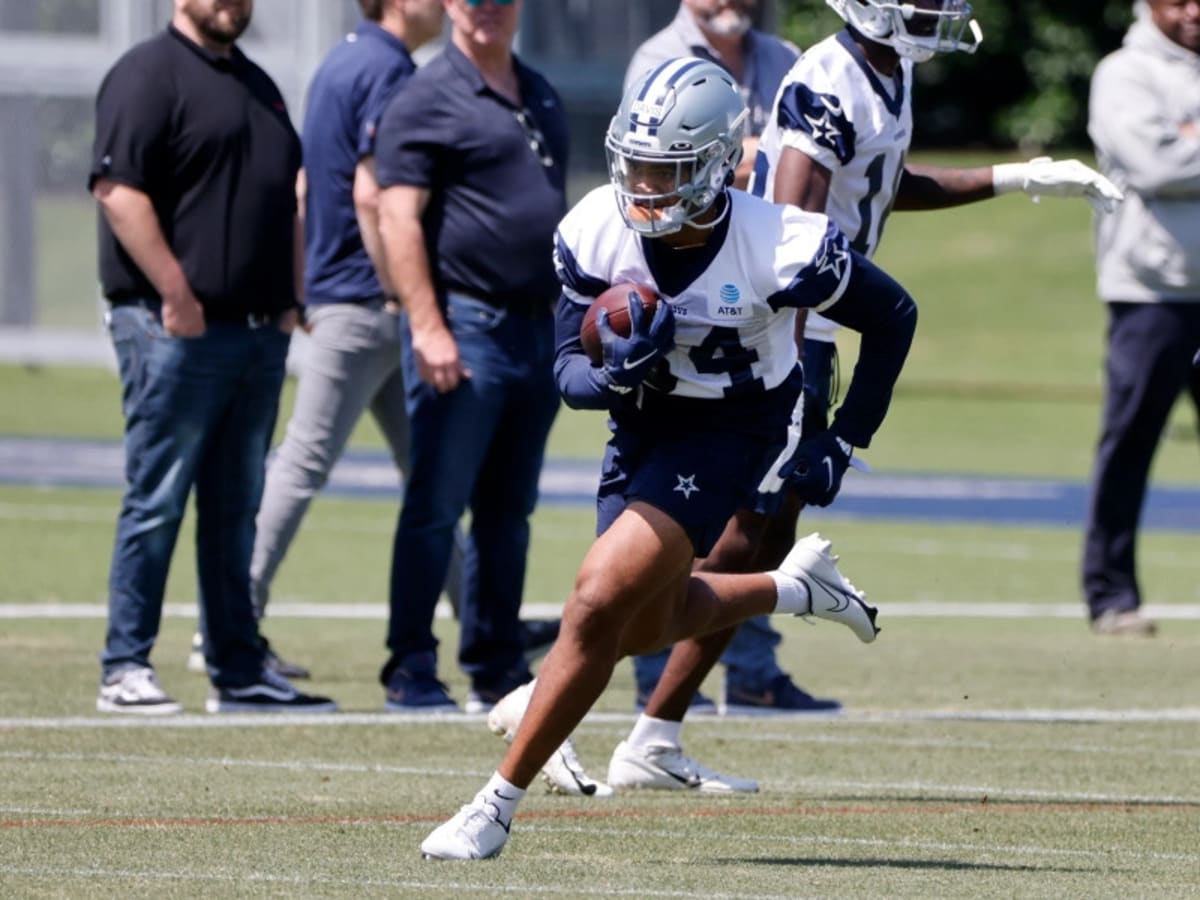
(662, 768)
(563, 772)
(830, 594)
(475, 832)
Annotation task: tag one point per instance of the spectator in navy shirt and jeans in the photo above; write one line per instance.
(194, 169)
(471, 159)
(353, 359)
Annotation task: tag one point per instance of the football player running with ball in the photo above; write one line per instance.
(700, 396)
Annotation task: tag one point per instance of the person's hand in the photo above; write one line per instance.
(182, 314)
(288, 320)
(626, 361)
(818, 466)
(1045, 177)
(438, 362)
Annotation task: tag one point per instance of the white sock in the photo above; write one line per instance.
(792, 596)
(502, 794)
(651, 732)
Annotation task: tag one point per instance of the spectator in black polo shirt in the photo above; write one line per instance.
(194, 170)
(471, 156)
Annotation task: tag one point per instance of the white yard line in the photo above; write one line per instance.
(378, 611)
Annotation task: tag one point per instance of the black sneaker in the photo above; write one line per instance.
(270, 693)
(781, 697)
(414, 687)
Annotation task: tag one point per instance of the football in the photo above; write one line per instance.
(616, 301)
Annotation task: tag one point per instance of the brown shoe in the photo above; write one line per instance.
(1124, 623)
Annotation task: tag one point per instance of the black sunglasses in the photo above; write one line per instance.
(534, 136)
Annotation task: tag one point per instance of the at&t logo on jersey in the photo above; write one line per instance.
(728, 304)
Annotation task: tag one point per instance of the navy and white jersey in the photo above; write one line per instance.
(838, 110)
(735, 312)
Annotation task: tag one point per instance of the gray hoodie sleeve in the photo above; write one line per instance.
(1140, 98)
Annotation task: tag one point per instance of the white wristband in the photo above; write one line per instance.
(1008, 178)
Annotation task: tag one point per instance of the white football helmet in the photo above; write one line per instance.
(916, 30)
(674, 143)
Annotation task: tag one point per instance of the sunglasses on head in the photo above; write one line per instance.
(475, 3)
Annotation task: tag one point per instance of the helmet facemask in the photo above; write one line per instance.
(917, 31)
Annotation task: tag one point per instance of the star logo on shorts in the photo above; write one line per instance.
(686, 486)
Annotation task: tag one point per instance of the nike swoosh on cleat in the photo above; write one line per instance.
(691, 781)
(840, 595)
(828, 470)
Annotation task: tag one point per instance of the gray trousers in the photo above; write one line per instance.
(353, 363)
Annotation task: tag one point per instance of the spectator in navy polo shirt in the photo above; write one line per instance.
(353, 359)
(471, 158)
(194, 169)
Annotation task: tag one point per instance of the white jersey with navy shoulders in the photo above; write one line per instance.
(834, 107)
(734, 320)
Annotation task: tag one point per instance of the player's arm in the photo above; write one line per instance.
(581, 384)
(366, 212)
(876, 306)
(939, 187)
(130, 213)
(801, 181)
(407, 263)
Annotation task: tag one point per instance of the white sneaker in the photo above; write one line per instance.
(475, 832)
(135, 691)
(663, 768)
(563, 772)
(830, 594)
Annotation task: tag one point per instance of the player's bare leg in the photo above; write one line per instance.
(633, 593)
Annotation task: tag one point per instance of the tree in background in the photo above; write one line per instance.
(1026, 87)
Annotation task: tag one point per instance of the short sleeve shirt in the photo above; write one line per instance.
(496, 175)
(346, 99)
(209, 140)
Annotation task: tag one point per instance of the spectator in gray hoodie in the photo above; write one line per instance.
(1145, 122)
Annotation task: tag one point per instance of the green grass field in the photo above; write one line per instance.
(1004, 755)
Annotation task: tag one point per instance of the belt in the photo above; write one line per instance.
(249, 320)
(225, 317)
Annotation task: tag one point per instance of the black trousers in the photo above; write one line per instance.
(1150, 350)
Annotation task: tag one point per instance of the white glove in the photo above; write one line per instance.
(1045, 177)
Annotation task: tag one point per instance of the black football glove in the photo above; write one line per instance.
(627, 361)
(820, 462)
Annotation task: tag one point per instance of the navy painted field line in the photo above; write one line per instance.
(55, 462)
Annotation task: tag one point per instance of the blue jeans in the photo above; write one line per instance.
(750, 660)
(198, 412)
(480, 447)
